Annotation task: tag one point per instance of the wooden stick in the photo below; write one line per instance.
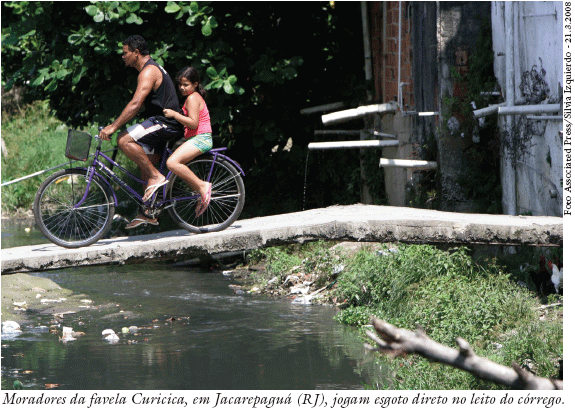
(395, 341)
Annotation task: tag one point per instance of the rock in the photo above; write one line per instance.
(10, 327)
(273, 281)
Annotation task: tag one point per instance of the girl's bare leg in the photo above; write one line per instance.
(177, 164)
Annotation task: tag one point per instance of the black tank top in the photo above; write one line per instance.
(164, 97)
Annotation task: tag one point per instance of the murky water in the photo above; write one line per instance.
(20, 232)
(193, 333)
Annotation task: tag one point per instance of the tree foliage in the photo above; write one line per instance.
(262, 62)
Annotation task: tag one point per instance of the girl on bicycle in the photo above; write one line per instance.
(197, 132)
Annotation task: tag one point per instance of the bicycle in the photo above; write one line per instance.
(74, 207)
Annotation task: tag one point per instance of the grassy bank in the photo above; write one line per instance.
(490, 303)
(35, 140)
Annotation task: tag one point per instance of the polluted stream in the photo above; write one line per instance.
(163, 326)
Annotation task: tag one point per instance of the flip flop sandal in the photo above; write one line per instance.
(141, 220)
(205, 202)
(153, 188)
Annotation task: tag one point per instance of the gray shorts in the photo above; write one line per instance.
(153, 135)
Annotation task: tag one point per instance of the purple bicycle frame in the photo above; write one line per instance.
(214, 152)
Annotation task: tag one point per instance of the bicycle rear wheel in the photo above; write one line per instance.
(228, 196)
(59, 220)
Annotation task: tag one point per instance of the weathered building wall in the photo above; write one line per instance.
(458, 26)
(536, 169)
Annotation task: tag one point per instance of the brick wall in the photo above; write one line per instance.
(390, 55)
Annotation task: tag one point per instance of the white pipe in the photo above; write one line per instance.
(352, 144)
(492, 109)
(529, 109)
(346, 115)
(407, 163)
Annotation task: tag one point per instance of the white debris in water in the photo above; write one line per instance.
(112, 338)
(53, 300)
(67, 334)
(110, 335)
(10, 327)
(304, 300)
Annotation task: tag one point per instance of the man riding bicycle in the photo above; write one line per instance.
(143, 142)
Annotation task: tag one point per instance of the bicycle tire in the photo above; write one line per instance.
(56, 216)
(228, 196)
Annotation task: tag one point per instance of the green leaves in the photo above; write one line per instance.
(194, 13)
(113, 10)
(222, 80)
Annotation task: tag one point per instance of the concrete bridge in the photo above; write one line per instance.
(365, 223)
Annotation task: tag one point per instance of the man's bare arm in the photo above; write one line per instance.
(146, 82)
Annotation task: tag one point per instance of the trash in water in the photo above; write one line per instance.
(10, 327)
(110, 335)
(67, 334)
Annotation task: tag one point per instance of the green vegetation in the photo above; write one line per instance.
(447, 293)
(32, 138)
(35, 140)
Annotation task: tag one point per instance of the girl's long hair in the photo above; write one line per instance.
(193, 76)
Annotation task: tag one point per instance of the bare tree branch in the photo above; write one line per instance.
(395, 341)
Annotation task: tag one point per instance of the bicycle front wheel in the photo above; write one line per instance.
(228, 196)
(61, 220)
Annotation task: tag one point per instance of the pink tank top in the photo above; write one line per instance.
(204, 124)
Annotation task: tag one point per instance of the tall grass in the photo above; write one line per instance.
(35, 140)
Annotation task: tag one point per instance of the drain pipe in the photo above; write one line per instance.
(366, 45)
(509, 201)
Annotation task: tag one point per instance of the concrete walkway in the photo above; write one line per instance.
(366, 223)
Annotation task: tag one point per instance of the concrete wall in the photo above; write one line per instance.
(536, 171)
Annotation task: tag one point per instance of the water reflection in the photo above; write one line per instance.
(194, 334)
(21, 232)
